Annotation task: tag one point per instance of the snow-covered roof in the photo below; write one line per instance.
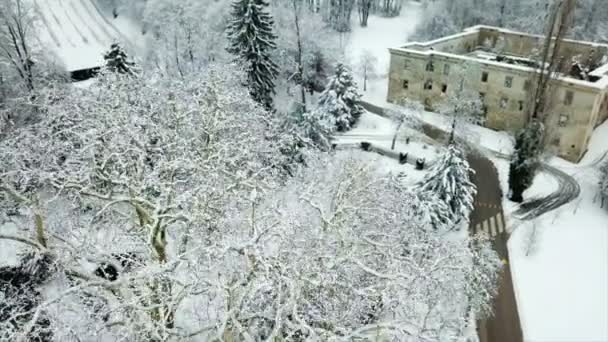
(79, 32)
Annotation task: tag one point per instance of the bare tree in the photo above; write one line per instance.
(16, 23)
(363, 9)
(367, 66)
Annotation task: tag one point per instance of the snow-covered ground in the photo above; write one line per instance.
(562, 284)
(380, 131)
(380, 35)
(79, 32)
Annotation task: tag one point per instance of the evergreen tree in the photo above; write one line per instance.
(117, 60)
(528, 147)
(252, 40)
(341, 99)
(449, 180)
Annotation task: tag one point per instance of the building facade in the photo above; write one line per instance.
(497, 66)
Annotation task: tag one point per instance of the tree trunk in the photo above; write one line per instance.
(299, 55)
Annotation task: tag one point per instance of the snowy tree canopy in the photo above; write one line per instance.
(341, 99)
(449, 180)
(444, 17)
(185, 35)
(148, 165)
(252, 40)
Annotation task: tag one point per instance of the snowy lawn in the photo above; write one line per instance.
(380, 131)
(562, 285)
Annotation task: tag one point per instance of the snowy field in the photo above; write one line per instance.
(79, 32)
(562, 284)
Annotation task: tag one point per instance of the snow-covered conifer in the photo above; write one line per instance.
(449, 180)
(117, 60)
(252, 40)
(525, 160)
(341, 99)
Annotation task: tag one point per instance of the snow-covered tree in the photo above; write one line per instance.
(407, 115)
(116, 60)
(462, 104)
(526, 159)
(252, 40)
(341, 99)
(338, 13)
(450, 180)
(17, 20)
(184, 35)
(150, 165)
(351, 258)
(367, 66)
(305, 53)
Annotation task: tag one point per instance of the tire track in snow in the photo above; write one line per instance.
(85, 5)
(71, 20)
(85, 23)
(50, 10)
(45, 22)
(125, 39)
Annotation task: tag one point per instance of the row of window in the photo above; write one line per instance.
(508, 83)
(504, 101)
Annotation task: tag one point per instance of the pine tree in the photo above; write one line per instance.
(341, 99)
(528, 147)
(252, 40)
(449, 180)
(117, 60)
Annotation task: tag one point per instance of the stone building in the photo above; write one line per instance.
(498, 68)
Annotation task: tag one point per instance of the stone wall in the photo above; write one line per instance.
(505, 95)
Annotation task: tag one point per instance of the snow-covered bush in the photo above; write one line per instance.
(118, 61)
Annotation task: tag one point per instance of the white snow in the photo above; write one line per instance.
(79, 33)
(562, 286)
(9, 250)
(380, 132)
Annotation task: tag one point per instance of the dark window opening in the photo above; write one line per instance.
(568, 98)
(446, 69)
(444, 88)
(484, 76)
(406, 84)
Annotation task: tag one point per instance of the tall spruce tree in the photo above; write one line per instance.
(252, 40)
(341, 99)
(449, 181)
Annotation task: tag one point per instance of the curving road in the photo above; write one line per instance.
(504, 325)
(568, 190)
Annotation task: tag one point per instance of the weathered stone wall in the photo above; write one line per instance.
(569, 125)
